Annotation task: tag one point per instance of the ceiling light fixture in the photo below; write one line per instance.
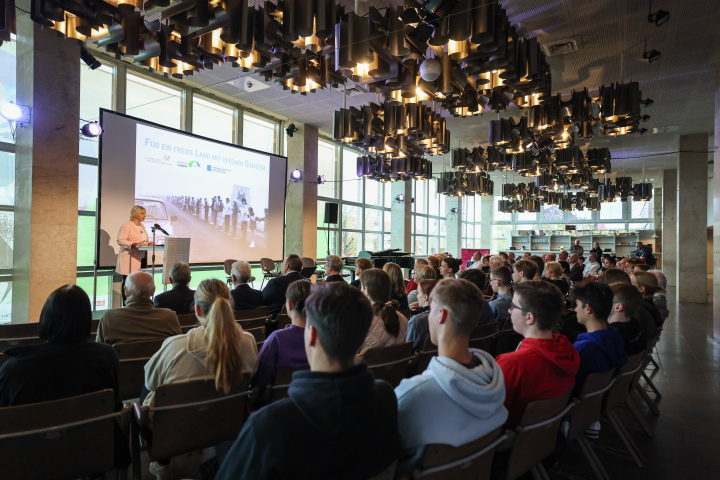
(659, 17)
(651, 56)
(91, 129)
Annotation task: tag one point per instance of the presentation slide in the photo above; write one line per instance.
(216, 194)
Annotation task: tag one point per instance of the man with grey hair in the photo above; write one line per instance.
(181, 299)
(333, 267)
(139, 321)
(244, 297)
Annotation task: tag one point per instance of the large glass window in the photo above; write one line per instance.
(213, 120)
(552, 213)
(7, 85)
(7, 178)
(642, 209)
(527, 217)
(87, 188)
(154, 101)
(259, 134)
(96, 92)
(7, 230)
(352, 186)
(327, 167)
(581, 215)
(500, 216)
(373, 193)
(611, 210)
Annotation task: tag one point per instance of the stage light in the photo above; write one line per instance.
(89, 60)
(659, 17)
(291, 129)
(400, 197)
(651, 56)
(91, 129)
(321, 179)
(453, 210)
(296, 175)
(11, 112)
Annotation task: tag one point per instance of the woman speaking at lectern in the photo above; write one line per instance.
(132, 234)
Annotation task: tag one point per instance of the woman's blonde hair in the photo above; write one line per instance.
(425, 272)
(136, 210)
(396, 278)
(223, 335)
(554, 268)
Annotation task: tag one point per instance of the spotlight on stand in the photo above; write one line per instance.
(89, 60)
(291, 129)
(400, 197)
(91, 129)
(296, 175)
(453, 210)
(647, 102)
(651, 56)
(321, 179)
(645, 118)
(659, 17)
(13, 112)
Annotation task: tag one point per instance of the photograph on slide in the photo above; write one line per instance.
(214, 194)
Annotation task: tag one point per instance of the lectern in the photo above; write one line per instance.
(174, 250)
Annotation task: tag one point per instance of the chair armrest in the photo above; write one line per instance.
(141, 413)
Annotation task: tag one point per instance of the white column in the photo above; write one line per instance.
(669, 227)
(454, 226)
(401, 216)
(301, 200)
(487, 214)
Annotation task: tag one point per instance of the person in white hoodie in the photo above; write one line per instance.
(212, 351)
(465, 384)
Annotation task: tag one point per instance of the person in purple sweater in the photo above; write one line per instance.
(285, 348)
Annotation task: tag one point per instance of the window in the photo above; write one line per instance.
(500, 216)
(7, 230)
(351, 217)
(373, 220)
(350, 241)
(86, 241)
(7, 87)
(327, 167)
(581, 215)
(96, 92)
(642, 209)
(87, 188)
(500, 241)
(373, 193)
(611, 210)
(213, 120)
(352, 185)
(527, 217)
(552, 213)
(259, 134)
(154, 101)
(7, 178)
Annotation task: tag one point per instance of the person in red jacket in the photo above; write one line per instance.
(545, 364)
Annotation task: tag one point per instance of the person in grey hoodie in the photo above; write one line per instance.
(465, 384)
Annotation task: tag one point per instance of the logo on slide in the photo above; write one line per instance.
(194, 163)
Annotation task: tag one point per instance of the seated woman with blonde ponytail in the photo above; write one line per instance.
(218, 349)
(388, 327)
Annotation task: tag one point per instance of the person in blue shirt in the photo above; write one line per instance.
(601, 349)
(500, 279)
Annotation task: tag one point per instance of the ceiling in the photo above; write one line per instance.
(612, 34)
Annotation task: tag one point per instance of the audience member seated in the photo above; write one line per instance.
(459, 398)
(337, 422)
(500, 279)
(642, 267)
(597, 250)
(244, 297)
(477, 261)
(511, 258)
(418, 329)
(554, 275)
(576, 269)
(285, 348)
(434, 262)
(601, 349)
(397, 285)
(479, 279)
(540, 264)
(545, 364)
(361, 264)
(562, 256)
(486, 264)
(608, 262)
(274, 291)
(423, 272)
(591, 267)
(577, 248)
(550, 257)
(627, 302)
(523, 270)
(613, 275)
(647, 285)
(180, 298)
(659, 298)
(388, 326)
(218, 349)
(495, 262)
(644, 253)
(68, 364)
(412, 283)
(333, 268)
(139, 321)
(449, 268)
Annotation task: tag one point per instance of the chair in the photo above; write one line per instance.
(258, 333)
(188, 320)
(68, 438)
(19, 330)
(471, 461)
(283, 377)
(126, 351)
(618, 396)
(282, 321)
(320, 283)
(536, 435)
(250, 313)
(94, 324)
(482, 331)
(19, 342)
(252, 323)
(228, 270)
(188, 416)
(588, 410)
(268, 268)
(390, 363)
(131, 376)
(422, 360)
(309, 267)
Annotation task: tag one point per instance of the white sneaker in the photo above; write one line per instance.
(162, 472)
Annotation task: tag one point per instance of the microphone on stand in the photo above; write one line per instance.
(158, 227)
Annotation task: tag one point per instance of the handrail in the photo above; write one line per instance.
(565, 411)
(63, 426)
(473, 456)
(198, 403)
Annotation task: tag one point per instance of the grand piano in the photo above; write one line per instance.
(403, 259)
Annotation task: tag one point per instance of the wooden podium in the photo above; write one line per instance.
(172, 251)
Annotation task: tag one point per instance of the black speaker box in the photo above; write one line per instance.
(331, 213)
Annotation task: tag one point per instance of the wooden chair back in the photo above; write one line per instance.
(19, 330)
(428, 345)
(283, 320)
(19, 342)
(485, 343)
(94, 324)
(536, 435)
(392, 372)
(471, 461)
(379, 355)
(256, 312)
(131, 376)
(228, 266)
(249, 323)
(127, 351)
(69, 438)
(257, 332)
(589, 404)
(188, 320)
(423, 360)
(190, 416)
(623, 382)
(283, 377)
(482, 331)
(268, 266)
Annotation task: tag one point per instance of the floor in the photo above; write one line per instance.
(687, 431)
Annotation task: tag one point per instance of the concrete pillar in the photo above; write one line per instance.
(669, 226)
(657, 222)
(301, 200)
(401, 216)
(716, 213)
(46, 168)
(692, 219)
(487, 214)
(453, 234)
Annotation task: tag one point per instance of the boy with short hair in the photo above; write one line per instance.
(500, 279)
(418, 329)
